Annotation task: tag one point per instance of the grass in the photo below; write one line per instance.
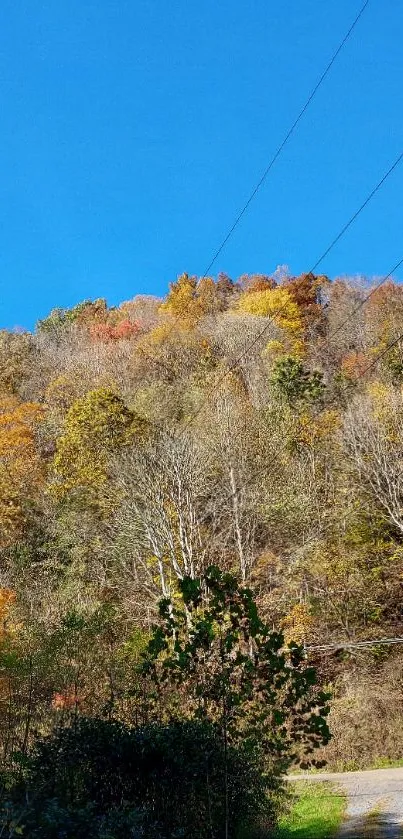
(386, 763)
(355, 766)
(316, 813)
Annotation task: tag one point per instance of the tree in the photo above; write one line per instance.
(237, 445)
(307, 291)
(252, 283)
(182, 299)
(21, 470)
(373, 437)
(278, 305)
(106, 332)
(158, 532)
(295, 383)
(96, 425)
(16, 356)
(99, 779)
(232, 669)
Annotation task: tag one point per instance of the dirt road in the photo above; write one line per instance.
(375, 802)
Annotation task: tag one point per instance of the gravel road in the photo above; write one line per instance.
(378, 792)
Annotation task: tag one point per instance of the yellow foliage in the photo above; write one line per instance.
(386, 409)
(174, 350)
(7, 597)
(316, 429)
(297, 624)
(95, 426)
(182, 301)
(62, 392)
(381, 399)
(277, 304)
(188, 300)
(274, 349)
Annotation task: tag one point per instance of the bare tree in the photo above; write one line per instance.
(373, 437)
(157, 528)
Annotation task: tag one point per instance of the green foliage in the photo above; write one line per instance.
(98, 779)
(295, 383)
(60, 318)
(235, 671)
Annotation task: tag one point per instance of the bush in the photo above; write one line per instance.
(366, 718)
(103, 780)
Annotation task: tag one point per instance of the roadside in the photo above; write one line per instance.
(374, 801)
(316, 813)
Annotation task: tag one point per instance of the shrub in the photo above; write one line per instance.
(103, 780)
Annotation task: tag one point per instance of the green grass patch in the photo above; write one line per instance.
(315, 813)
(386, 763)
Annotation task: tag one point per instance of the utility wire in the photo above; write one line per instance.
(261, 471)
(354, 645)
(285, 140)
(357, 213)
(364, 301)
(382, 354)
(279, 312)
(329, 339)
(276, 155)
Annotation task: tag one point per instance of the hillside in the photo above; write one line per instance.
(255, 424)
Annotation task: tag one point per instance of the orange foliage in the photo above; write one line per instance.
(305, 291)
(354, 364)
(20, 466)
(7, 598)
(259, 282)
(384, 311)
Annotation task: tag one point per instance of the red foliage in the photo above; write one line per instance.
(107, 332)
(65, 701)
(126, 329)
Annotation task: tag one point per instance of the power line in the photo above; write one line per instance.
(364, 300)
(279, 312)
(261, 471)
(355, 645)
(346, 320)
(357, 213)
(363, 372)
(382, 354)
(285, 140)
(278, 152)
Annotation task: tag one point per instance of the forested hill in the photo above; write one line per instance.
(256, 425)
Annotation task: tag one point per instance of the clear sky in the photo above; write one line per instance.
(132, 132)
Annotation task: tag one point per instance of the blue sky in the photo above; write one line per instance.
(132, 132)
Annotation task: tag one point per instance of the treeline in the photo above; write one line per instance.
(256, 426)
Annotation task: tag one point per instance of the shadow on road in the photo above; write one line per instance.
(373, 826)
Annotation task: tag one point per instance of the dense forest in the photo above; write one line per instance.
(255, 425)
